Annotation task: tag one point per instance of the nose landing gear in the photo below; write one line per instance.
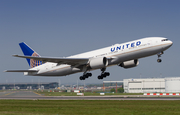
(159, 60)
(159, 55)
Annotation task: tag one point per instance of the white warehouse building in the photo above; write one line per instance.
(152, 85)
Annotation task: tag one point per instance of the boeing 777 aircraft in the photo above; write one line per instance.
(125, 55)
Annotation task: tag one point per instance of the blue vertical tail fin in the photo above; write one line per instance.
(28, 51)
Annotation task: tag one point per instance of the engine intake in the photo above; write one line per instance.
(100, 62)
(129, 64)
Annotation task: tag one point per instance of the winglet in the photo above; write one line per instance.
(15, 55)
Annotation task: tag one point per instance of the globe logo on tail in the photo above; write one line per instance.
(34, 63)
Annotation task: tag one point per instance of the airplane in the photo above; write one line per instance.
(125, 55)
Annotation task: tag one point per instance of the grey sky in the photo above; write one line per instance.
(62, 28)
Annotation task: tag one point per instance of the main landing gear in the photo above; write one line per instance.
(159, 55)
(103, 74)
(86, 75)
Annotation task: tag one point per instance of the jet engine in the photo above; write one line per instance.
(129, 64)
(100, 62)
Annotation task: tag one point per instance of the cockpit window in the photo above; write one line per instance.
(165, 40)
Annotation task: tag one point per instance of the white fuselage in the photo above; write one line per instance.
(116, 54)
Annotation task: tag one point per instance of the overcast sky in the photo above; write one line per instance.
(60, 28)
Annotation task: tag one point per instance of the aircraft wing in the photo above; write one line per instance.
(21, 71)
(69, 61)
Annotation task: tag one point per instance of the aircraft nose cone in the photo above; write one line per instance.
(170, 43)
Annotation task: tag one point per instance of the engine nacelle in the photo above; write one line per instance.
(100, 62)
(129, 64)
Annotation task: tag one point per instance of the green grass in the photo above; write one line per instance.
(46, 93)
(88, 107)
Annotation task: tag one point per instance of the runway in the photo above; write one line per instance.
(30, 95)
(90, 98)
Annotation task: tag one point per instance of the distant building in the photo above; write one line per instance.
(151, 85)
(51, 85)
(172, 85)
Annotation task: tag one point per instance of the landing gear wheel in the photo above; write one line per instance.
(107, 73)
(103, 74)
(82, 78)
(89, 74)
(100, 77)
(86, 75)
(159, 60)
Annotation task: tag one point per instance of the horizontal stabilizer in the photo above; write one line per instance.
(21, 71)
